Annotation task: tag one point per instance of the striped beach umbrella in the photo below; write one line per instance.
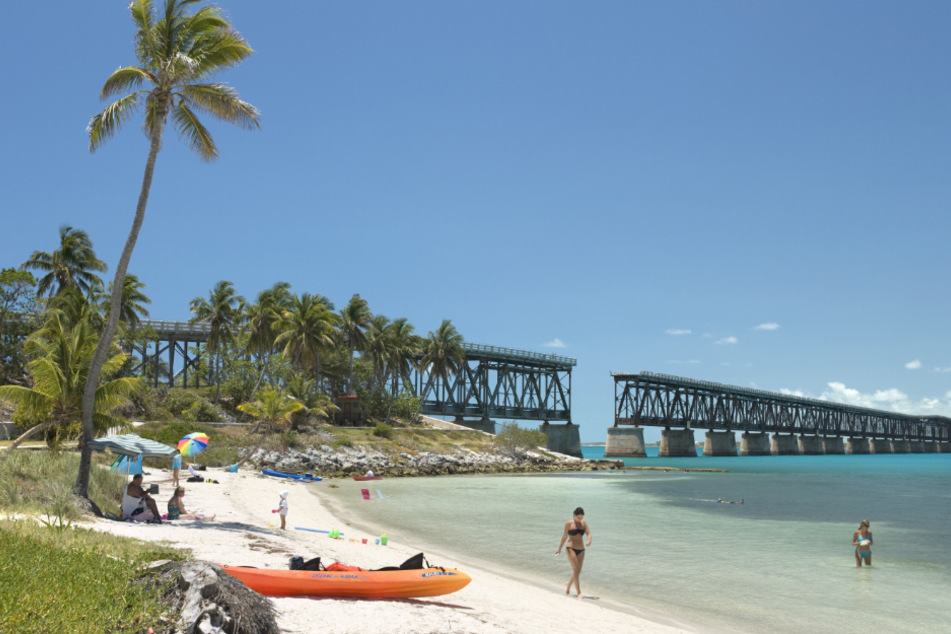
(193, 443)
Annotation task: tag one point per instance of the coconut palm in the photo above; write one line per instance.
(305, 331)
(132, 306)
(377, 349)
(259, 324)
(355, 318)
(272, 408)
(443, 353)
(402, 353)
(74, 264)
(219, 312)
(61, 355)
(177, 53)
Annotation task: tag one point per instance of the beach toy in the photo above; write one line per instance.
(864, 542)
(377, 541)
(334, 534)
(364, 540)
(384, 538)
(366, 493)
(312, 530)
(233, 468)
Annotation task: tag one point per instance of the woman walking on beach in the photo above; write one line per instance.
(575, 530)
(862, 540)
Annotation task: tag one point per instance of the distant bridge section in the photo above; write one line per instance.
(798, 425)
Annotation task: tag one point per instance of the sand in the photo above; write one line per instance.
(245, 532)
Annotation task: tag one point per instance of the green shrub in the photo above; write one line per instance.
(514, 438)
(383, 431)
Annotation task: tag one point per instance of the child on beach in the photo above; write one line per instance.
(176, 466)
(282, 509)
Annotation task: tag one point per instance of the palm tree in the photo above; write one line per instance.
(403, 350)
(132, 305)
(219, 311)
(273, 408)
(72, 265)
(61, 354)
(443, 352)
(377, 349)
(355, 317)
(177, 53)
(259, 324)
(306, 331)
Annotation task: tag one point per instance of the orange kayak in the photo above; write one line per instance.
(425, 582)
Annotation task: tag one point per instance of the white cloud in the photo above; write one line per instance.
(678, 331)
(891, 399)
(940, 369)
(727, 340)
(767, 326)
(556, 343)
(913, 365)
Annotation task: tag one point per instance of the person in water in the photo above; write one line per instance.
(575, 530)
(862, 540)
(176, 508)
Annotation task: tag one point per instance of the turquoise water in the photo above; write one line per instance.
(780, 562)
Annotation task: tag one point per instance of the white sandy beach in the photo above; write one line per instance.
(245, 533)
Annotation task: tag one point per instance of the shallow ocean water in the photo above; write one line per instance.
(780, 562)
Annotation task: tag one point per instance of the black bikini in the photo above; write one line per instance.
(576, 531)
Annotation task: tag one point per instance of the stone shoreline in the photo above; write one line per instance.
(344, 462)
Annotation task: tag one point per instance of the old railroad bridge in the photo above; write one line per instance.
(493, 383)
(770, 423)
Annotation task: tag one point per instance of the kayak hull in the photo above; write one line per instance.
(385, 584)
(290, 476)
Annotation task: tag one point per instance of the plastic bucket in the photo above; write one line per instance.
(384, 539)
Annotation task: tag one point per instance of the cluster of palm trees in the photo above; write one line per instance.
(302, 351)
(301, 344)
(60, 351)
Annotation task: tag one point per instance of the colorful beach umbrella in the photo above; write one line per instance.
(193, 443)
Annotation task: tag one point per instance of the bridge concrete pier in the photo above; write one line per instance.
(930, 447)
(833, 445)
(856, 446)
(625, 442)
(916, 446)
(879, 445)
(563, 438)
(783, 445)
(810, 445)
(677, 443)
(719, 443)
(754, 444)
(487, 425)
(943, 447)
(899, 446)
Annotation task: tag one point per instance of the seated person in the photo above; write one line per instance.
(176, 508)
(137, 504)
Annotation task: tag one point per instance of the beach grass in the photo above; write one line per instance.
(57, 578)
(41, 482)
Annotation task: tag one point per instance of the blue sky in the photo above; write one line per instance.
(743, 192)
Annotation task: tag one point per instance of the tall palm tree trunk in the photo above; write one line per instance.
(81, 488)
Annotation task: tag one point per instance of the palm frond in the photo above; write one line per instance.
(30, 400)
(194, 133)
(222, 102)
(123, 79)
(145, 44)
(105, 124)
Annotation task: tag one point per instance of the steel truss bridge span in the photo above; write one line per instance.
(493, 382)
(661, 400)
